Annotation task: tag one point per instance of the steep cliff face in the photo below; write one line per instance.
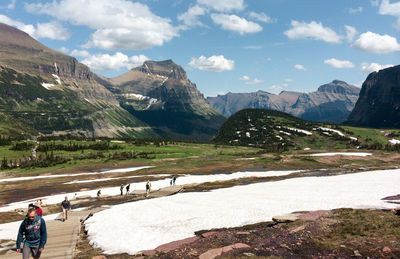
(379, 102)
(330, 103)
(160, 94)
(54, 93)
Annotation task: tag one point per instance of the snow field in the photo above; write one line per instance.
(155, 185)
(149, 223)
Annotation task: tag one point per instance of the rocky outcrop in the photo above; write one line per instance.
(332, 102)
(379, 102)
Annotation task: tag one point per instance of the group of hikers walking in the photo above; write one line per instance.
(33, 233)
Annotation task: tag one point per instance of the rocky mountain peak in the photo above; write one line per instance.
(339, 87)
(166, 68)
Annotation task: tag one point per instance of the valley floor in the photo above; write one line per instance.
(219, 191)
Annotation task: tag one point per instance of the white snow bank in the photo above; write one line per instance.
(394, 141)
(10, 230)
(332, 130)
(116, 178)
(149, 223)
(57, 78)
(47, 85)
(120, 170)
(300, 131)
(155, 185)
(342, 154)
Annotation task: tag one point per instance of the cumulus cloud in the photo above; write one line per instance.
(64, 49)
(375, 43)
(235, 23)
(351, 33)
(212, 64)
(313, 30)
(118, 24)
(223, 5)
(300, 67)
(393, 9)
(190, 18)
(80, 53)
(107, 62)
(245, 78)
(277, 88)
(339, 63)
(52, 30)
(260, 17)
(373, 67)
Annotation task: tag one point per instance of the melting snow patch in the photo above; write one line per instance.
(147, 224)
(57, 78)
(47, 85)
(394, 141)
(248, 134)
(300, 131)
(342, 154)
(332, 130)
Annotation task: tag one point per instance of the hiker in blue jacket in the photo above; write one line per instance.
(33, 234)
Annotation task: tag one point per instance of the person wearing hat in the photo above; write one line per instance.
(39, 210)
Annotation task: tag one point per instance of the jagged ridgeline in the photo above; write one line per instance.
(161, 95)
(279, 131)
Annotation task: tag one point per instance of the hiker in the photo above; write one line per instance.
(30, 206)
(170, 182)
(41, 202)
(148, 188)
(122, 189)
(66, 206)
(127, 188)
(173, 180)
(98, 193)
(39, 210)
(33, 233)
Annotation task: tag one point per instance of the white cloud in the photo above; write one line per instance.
(118, 24)
(393, 9)
(212, 64)
(339, 63)
(375, 43)
(191, 17)
(245, 78)
(52, 30)
(312, 30)
(277, 88)
(300, 67)
(356, 10)
(255, 81)
(373, 67)
(64, 49)
(351, 33)
(235, 23)
(80, 53)
(106, 62)
(260, 17)
(223, 5)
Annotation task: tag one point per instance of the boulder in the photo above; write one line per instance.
(209, 234)
(176, 244)
(99, 257)
(213, 253)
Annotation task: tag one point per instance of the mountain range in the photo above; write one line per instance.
(332, 102)
(52, 93)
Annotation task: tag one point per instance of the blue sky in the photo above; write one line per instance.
(225, 45)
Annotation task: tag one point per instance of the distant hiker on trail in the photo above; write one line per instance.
(66, 206)
(148, 188)
(39, 210)
(41, 202)
(170, 182)
(127, 188)
(98, 193)
(75, 196)
(32, 232)
(173, 180)
(121, 189)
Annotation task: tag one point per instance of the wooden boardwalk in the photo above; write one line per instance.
(62, 236)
